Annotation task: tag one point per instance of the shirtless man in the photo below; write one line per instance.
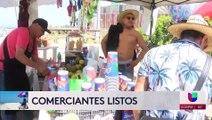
(123, 38)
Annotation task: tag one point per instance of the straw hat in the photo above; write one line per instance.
(200, 20)
(135, 13)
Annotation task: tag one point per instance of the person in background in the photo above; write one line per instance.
(24, 104)
(123, 38)
(18, 50)
(180, 66)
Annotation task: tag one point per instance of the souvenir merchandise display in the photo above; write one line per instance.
(101, 75)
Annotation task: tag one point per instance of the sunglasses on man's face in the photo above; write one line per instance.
(128, 17)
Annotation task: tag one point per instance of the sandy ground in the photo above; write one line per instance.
(10, 106)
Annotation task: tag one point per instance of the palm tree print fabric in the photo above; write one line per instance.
(175, 67)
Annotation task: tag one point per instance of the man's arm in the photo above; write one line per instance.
(40, 66)
(103, 44)
(142, 44)
(20, 56)
(36, 59)
(141, 85)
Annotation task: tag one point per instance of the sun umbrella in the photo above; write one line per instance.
(23, 94)
(180, 12)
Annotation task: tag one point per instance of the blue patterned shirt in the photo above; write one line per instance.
(174, 67)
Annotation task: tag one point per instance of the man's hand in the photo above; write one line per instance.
(42, 68)
(141, 85)
(136, 114)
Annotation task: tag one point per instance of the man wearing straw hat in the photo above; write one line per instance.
(180, 66)
(123, 38)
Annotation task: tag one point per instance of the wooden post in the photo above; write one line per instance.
(33, 10)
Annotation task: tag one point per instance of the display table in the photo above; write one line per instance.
(45, 49)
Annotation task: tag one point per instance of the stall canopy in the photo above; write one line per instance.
(152, 4)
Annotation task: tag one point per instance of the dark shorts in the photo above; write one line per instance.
(125, 70)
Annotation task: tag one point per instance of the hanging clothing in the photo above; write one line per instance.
(69, 8)
(23, 16)
(79, 4)
(59, 3)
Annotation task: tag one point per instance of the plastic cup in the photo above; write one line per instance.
(131, 86)
(62, 80)
(99, 84)
(75, 84)
(86, 86)
(111, 84)
(52, 80)
(124, 83)
(51, 85)
(89, 73)
(112, 64)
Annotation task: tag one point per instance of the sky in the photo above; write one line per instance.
(55, 16)
(8, 17)
(10, 97)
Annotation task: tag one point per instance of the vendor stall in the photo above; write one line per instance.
(45, 49)
(70, 78)
(74, 45)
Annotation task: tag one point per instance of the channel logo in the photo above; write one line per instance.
(192, 100)
(192, 97)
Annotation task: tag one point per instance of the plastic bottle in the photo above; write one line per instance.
(84, 53)
(59, 57)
